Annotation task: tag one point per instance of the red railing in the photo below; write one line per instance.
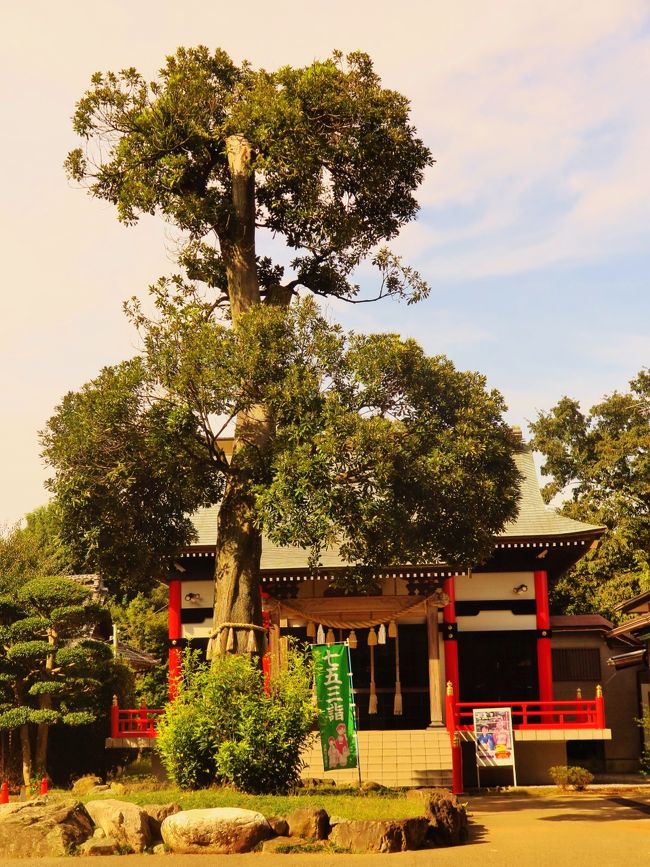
(571, 714)
(134, 722)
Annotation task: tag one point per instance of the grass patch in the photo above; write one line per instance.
(348, 804)
(301, 848)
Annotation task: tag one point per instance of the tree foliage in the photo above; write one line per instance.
(600, 461)
(141, 623)
(34, 548)
(394, 455)
(333, 163)
(51, 670)
(127, 475)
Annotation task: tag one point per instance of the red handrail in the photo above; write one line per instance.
(571, 714)
(134, 722)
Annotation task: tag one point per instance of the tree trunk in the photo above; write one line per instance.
(45, 703)
(26, 749)
(239, 541)
(25, 741)
(237, 586)
(238, 241)
(42, 737)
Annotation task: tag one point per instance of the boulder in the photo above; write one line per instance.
(390, 835)
(85, 784)
(447, 817)
(157, 813)
(310, 823)
(40, 829)
(216, 831)
(279, 826)
(99, 846)
(126, 823)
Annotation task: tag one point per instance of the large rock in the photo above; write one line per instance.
(86, 784)
(157, 813)
(279, 826)
(99, 846)
(448, 818)
(38, 829)
(216, 831)
(124, 822)
(309, 822)
(397, 835)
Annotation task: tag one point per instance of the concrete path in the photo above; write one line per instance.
(510, 830)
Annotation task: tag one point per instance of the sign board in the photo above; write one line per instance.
(494, 737)
(335, 701)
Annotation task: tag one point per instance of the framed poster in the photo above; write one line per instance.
(494, 737)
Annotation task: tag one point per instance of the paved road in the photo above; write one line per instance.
(581, 830)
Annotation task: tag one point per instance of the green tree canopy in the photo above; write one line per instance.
(600, 461)
(323, 156)
(392, 454)
(34, 547)
(360, 439)
(50, 668)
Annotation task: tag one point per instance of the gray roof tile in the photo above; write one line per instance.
(535, 520)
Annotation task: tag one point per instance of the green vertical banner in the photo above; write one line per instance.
(336, 719)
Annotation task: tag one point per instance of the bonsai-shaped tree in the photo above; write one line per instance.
(51, 670)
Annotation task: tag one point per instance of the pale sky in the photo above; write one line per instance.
(534, 225)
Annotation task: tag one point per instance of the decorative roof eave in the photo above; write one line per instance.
(330, 573)
(628, 660)
(567, 541)
(630, 605)
(631, 626)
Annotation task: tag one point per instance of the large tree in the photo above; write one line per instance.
(324, 158)
(599, 462)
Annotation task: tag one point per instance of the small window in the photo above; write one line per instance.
(576, 663)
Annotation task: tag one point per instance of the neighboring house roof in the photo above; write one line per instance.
(580, 622)
(535, 520)
(639, 627)
(93, 582)
(637, 605)
(137, 659)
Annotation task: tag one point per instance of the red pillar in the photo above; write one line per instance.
(600, 708)
(449, 635)
(544, 664)
(454, 738)
(175, 634)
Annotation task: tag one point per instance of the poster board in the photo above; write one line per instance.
(494, 737)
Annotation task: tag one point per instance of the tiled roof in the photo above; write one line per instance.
(535, 520)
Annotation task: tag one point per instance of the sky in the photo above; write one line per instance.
(534, 220)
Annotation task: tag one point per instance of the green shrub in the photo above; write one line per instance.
(644, 758)
(224, 728)
(571, 777)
